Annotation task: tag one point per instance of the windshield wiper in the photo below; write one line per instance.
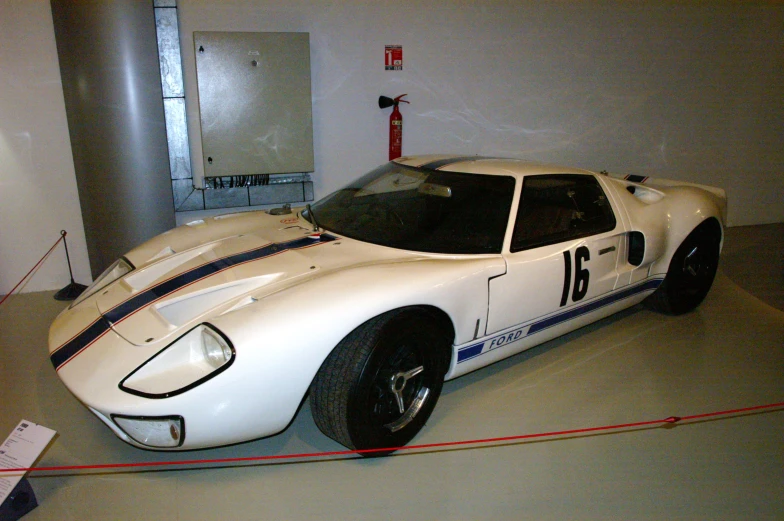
(312, 217)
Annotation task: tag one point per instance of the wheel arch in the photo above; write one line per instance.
(440, 319)
(691, 270)
(443, 322)
(667, 223)
(710, 224)
(688, 222)
(713, 225)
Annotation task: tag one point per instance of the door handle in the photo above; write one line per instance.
(606, 250)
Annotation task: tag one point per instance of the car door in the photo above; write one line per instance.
(563, 257)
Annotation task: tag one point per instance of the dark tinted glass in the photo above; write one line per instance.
(421, 210)
(557, 208)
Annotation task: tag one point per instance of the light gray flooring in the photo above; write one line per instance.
(635, 366)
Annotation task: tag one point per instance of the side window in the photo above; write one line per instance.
(560, 207)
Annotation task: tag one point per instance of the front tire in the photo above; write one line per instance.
(691, 271)
(379, 385)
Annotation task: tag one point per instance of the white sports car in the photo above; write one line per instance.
(422, 270)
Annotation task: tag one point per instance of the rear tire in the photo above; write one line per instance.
(379, 385)
(691, 272)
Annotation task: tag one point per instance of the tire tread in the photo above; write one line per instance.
(332, 386)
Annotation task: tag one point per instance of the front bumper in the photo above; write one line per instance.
(236, 405)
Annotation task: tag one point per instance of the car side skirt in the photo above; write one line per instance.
(484, 351)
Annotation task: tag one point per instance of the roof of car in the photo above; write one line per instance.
(486, 165)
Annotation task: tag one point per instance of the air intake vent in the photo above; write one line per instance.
(645, 194)
(636, 248)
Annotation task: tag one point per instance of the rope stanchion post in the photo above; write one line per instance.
(74, 289)
(62, 238)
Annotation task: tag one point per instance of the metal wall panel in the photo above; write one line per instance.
(255, 102)
(169, 51)
(177, 132)
(112, 87)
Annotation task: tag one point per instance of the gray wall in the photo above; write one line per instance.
(111, 81)
(692, 92)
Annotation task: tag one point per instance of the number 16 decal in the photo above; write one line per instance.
(581, 274)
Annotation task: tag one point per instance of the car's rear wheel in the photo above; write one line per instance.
(691, 272)
(379, 385)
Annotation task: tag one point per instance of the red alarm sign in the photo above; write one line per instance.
(393, 58)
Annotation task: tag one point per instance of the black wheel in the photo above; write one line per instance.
(691, 271)
(379, 385)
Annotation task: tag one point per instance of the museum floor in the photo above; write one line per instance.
(632, 367)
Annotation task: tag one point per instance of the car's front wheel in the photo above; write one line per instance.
(691, 271)
(379, 385)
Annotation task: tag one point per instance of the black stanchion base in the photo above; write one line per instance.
(70, 292)
(19, 502)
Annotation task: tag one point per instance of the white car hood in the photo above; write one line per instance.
(161, 298)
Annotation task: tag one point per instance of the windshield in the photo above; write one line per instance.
(421, 210)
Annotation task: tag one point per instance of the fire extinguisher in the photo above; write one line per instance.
(395, 124)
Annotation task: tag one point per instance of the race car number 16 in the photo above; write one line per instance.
(581, 274)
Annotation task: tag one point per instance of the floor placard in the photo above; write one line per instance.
(20, 450)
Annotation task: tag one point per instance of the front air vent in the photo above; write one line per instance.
(166, 266)
(181, 310)
(636, 248)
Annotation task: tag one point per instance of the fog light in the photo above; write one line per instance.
(160, 432)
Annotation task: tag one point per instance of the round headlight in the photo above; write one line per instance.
(216, 351)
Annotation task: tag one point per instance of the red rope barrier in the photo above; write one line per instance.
(35, 267)
(312, 455)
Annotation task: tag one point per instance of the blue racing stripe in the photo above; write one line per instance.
(98, 328)
(469, 352)
(71, 348)
(592, 306)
